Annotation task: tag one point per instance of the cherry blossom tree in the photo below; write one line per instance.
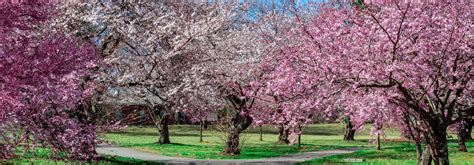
(151, 47)
(189, 50)
(277, 23)
(416, 56)
(40, 83)
(244, 79)
(234, 69)
(191, 57)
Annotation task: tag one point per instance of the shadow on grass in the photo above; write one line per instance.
(320, 130)
(130, 133)
(123, 160)
(306, 132)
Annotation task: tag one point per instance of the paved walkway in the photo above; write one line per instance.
(289, 159)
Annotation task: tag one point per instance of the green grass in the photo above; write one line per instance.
(43, 156)
(102, 160)
(185, 141)
(400, 153)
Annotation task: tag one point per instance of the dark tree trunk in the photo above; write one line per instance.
(349, 135)
(164, 131)
(299, 141)
(377, 142)
(426, 156)
(283, 134)
(201, 125)
(463, 135)
(237, 125)
(300, 128)
(261, 133)
(206, 124)
(469, 124)
(349, 129)
(438, 142)
(232, 146)
(469, 132)
(240, 120)
(462, 143)
(160, 120)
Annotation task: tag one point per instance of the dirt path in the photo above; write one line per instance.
(288, 159)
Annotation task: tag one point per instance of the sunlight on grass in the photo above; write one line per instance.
(185, 143)
(44, 156)
(402, 153)
(185, 139)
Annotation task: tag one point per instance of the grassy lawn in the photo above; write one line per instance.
(402, 153)
(42, 156)
(103, 160)
(185, 139)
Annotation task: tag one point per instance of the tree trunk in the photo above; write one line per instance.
(261, 133)
(419, 152)
(201, 125)
(463, 135)
(415, 137)
(462, 143)
(177, 120)
(299, 135)
(438, 142)
(469, 134)
(164, 131)
(205, 124)
(469, 124)
(283, 135)
(426, 156)
(232, 146)
(237, 124)
(377, 142)
(299, 140)
(349, 130)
